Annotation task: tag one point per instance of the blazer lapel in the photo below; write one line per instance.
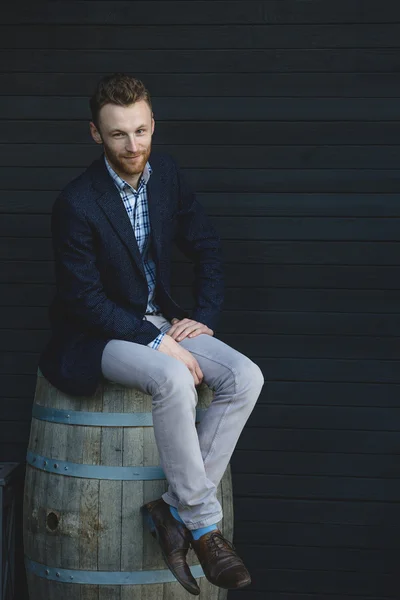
(114, 208)
(156, 202)
(111, 203)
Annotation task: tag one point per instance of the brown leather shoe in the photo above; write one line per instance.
(174, 539)
(221, 565)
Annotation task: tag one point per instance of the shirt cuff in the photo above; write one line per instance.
(156, 343)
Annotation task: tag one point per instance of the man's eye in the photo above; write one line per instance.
(117, 134)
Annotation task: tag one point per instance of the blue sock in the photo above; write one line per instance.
(197, 533)
(175, 514)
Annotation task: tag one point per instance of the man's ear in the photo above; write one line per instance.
(153, 123)
(95, 133)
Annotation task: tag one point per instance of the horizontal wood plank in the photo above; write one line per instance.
(332, 536)
(245, 36)
(263, 345)
(214, 157)
(199, 12)
(314, 440)
(16, 409)
(289, 392)
(278, 440)
(191, 61)
(314, 369)
(322, 583)
(319, 487)
(278, 595)
(337, 418)
(298, 85)
(318, 512)
(220, 109)
(219, 132)
(241, 251)
(319, 240)
(280, 368)
(241, 204)
(292, 276)
(18, 386)
(295, 393)
(351, 560)
(225, 180)
(27, 321)
(283, 345)
(281, 462)
(383, 302)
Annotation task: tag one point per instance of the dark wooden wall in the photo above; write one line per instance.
(285, 116)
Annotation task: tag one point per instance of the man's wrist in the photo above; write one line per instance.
(155, 344)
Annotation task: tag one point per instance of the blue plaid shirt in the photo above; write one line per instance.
(135, 202)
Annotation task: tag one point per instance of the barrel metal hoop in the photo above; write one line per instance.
(105, 577)
(99, 419)
(62, 467)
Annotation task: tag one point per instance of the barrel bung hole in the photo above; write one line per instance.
(52, 521)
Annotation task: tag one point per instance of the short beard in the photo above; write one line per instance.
(123, 167)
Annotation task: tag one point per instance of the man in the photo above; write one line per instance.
(113, 316)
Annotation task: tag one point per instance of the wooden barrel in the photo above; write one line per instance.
(91, 463)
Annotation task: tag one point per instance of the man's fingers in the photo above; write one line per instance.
(191, 331)
(199, 372)
(177, 331)
(183, 328)
(181, 334)
(196, 371)
(199, 375)
(195, 374)
(193, 334)
(172, 331)
(197, 332)
(172, 348)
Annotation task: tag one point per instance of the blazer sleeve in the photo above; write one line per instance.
(78, 280)
(198, 240)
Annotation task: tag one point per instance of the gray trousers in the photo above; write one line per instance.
(193, 460)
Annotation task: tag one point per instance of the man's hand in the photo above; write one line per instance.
(172, 348)
(187, 328)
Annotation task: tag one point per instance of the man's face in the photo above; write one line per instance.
(125, 132)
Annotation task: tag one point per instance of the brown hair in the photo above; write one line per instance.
(120, 89)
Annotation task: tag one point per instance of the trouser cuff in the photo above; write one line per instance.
(210, 520)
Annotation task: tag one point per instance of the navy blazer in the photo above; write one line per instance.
(101, 288)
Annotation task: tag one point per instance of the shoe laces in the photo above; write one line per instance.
(217, 543)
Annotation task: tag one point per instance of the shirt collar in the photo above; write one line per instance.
(121, 183)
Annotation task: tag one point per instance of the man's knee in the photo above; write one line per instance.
(249, 378)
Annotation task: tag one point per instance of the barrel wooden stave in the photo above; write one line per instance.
(97, 515)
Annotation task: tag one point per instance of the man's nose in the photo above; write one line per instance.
(131, 145)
